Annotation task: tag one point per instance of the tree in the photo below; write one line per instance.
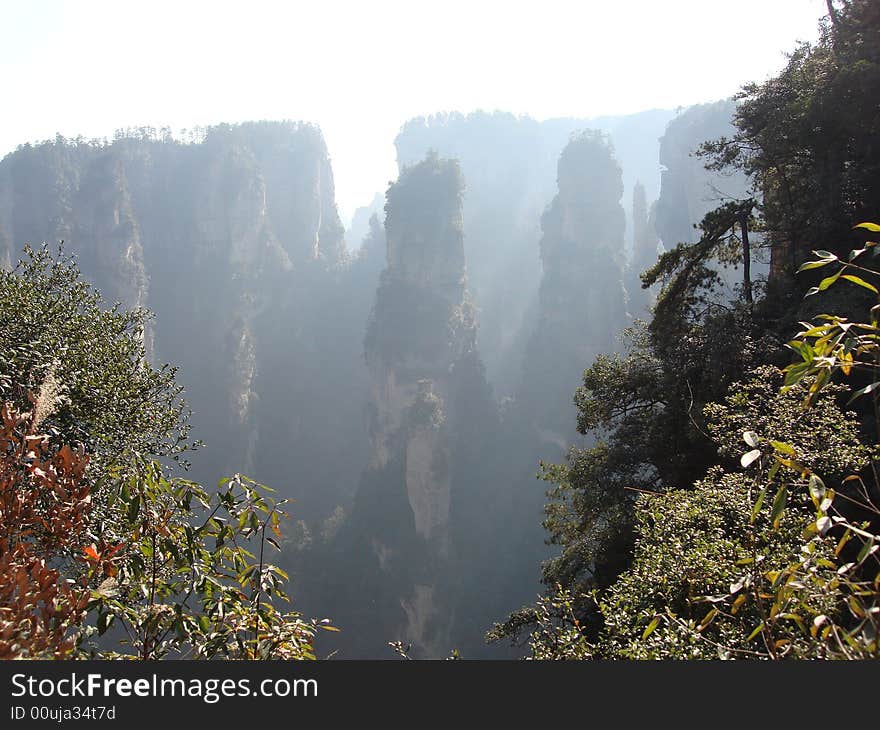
(107, 395)
(94, 531)
(44, 512)
(807, 139)
(724, 568)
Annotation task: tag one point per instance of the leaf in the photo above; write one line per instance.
(793, 465)
(749, 457)
(856, 252)
(649, 629)
(856, 607)
(829, 280)
(817, 489)
(133, 508)
(751, 438)
(778, 505)
(707, 619)
(91, 552)
(758, 629)
(866, 550)
(823, 524)
(861, 282)
(108, 588)
(864, 391)
(104, 621)
(758, 504)
(868, 227)
(813, 265)
(847, 536)
(793, 373)
(783, 448)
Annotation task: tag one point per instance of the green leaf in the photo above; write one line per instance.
(861, 282)
(813, 265)
(105, 620)
(868, 227)
(649, 629)
(866, 550)
(749, 457)
(783, 448)
(793, 373)
(855, 253)
(778, 505)
(829, 280)
(133, 508)
(758, 629)
(758, 504)
(707, 619)
(797, 619)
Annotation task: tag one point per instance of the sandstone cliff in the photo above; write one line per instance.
(426, 383)
(582, 299)
(232, 240)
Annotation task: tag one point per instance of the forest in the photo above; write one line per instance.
(571, 389)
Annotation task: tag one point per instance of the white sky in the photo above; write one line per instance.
(360, 69)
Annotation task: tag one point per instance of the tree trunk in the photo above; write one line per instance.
(747, 256)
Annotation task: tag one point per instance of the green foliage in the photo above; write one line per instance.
(823, 439)
(720, 569)
(645, 410)
(108, 397)
(716, 563)
(695, 549)
(851, 512)
(188, 575)
(181, 571)
(836, 343)
(556, 632)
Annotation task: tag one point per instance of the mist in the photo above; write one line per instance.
(381, 243)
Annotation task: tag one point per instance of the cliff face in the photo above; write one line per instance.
(422, 322)
(233, 242)
(509, 163)
(582, 299)
(645, 252)
(425, 380)
(687, 190)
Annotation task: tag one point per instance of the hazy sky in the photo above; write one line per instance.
(360, 69)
